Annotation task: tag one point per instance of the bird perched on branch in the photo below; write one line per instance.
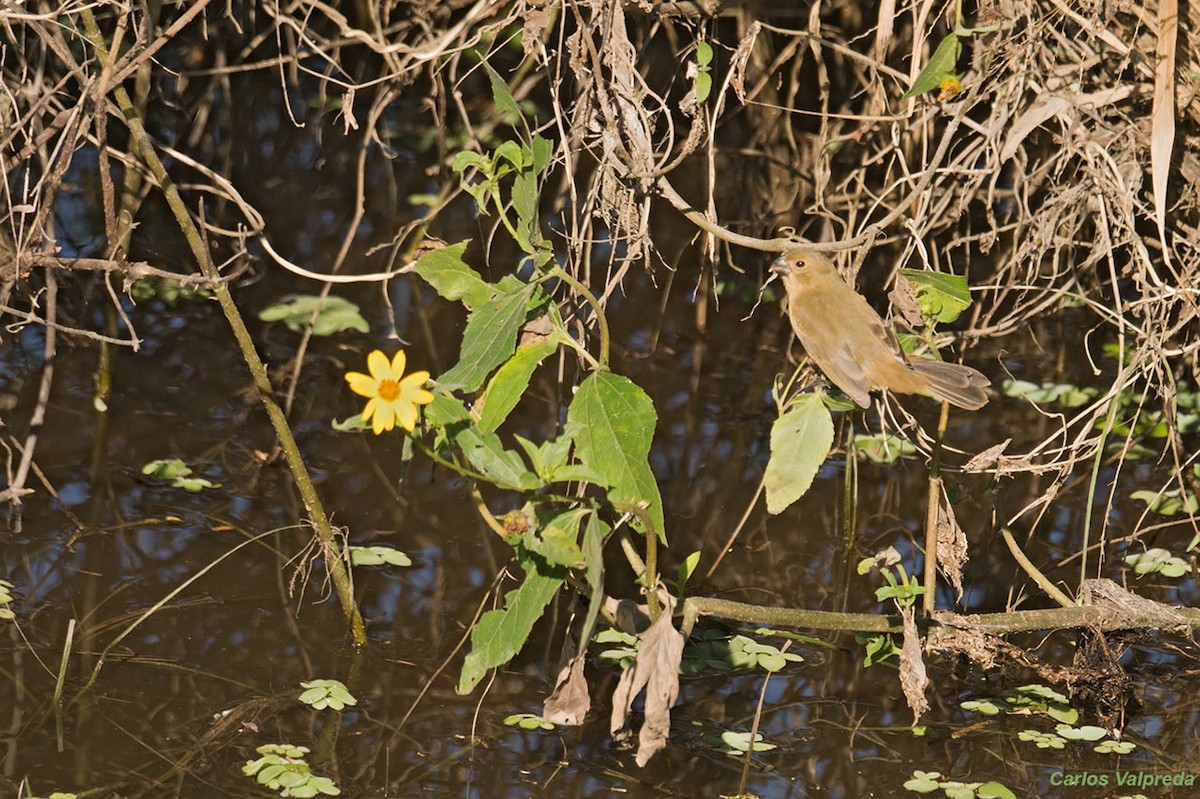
(844, 336)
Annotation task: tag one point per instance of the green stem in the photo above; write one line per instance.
(308, 492)
(582, 290)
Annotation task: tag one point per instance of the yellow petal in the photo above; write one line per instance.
(377, 362)
(422, 397)
(369, 411)
(385, 417)
(408, 415)
(399, 361)
(363, 385)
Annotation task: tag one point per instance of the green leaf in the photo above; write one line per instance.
(489, 340)
(505, 103)
(500, 634)
(1087, 732)
(485, 452)
(556, 540)
(884, 448)
(994, 790)
(193, 485)
(1168, 503)
(335, 315)
(593, 552)
(543, 153)
(940, 66)
(167, 469)
(800, 442)
(1157, 560)
(704, 54)
(451, 278)
(703, 86)
(612, 423)
(378, 555)
(509, 384)
(942, 296)
(923, 782)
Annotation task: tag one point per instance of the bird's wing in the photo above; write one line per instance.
(837, 361)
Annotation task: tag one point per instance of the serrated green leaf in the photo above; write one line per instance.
(451, 278)
(941, 66)
(556, 539)
(611, 421)
(489, 340)
(500, 634)
(505, 103)
(942, 296)
(509, 383)
(543, 153)
(485, 452)
(800, 442)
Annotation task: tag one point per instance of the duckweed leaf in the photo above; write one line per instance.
(1157, 561)
(335, 314)
(378, 555)
(800, 441)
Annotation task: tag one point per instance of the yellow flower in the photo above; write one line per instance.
(393, 398)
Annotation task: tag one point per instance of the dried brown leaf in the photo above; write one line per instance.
(951, 545)
(656, 670)
(988, 458)
(1162, 115)
(569, 702)
(913, 678)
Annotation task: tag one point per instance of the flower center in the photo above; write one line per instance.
(389, 390)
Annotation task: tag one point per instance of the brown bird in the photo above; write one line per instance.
(842, 333)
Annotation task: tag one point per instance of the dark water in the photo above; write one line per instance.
(182, 700)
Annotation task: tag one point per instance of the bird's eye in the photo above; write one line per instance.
(800, 264)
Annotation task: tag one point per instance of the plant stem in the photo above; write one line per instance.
(308, 492)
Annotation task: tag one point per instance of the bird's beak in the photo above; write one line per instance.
(780, 266)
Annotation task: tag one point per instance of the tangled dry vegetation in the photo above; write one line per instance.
(1061, 173)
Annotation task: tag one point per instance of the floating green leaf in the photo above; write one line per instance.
(1157, 561)
(335, 315)
(166, 469)
(800, 442)
(612, 423)
(1169, 503)
(378, 555)
(322, 694)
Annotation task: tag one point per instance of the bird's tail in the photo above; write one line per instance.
(957, 384)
